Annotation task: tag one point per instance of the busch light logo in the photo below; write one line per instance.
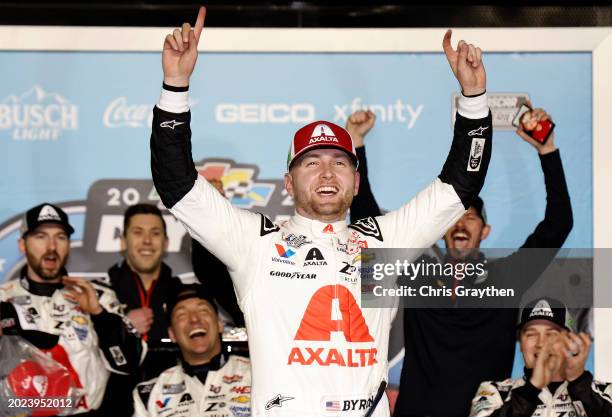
(121, 114)
(37, 115)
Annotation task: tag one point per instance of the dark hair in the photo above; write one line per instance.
(141, 209)
(178, 292)
(478, 205)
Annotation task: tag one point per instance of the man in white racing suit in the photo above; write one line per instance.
(206, 382)
(298, 283)
(78, 323)
(555, 381)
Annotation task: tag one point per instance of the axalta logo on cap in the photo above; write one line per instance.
(322, 133)
(48, 213)
(542, 308)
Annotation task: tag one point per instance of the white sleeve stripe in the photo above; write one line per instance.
(473, 107)
(174, 102)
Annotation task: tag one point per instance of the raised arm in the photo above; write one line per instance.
(558, 220)
(550, 234)
(207, 216)
(364, 204)
(423, 220)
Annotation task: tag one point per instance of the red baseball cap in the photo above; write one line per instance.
(320, 134)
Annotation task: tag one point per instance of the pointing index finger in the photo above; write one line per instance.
(446, 43)
(199, 22)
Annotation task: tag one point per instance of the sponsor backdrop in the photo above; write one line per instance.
(74, 130)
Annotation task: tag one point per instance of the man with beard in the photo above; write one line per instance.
(77, 322)
(314, 351)
(451, 350)
(206, 381)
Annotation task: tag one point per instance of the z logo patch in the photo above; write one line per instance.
(267, 226)
(171, 124)
(368, 227)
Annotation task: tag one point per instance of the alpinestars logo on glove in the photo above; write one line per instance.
(333, 308)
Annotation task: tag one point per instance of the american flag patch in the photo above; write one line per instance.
(332, 405)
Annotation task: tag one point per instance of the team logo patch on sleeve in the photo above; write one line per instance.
(368, 227)
(267, 226)
(476, 152)
(117, 355)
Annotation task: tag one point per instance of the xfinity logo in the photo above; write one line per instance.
(38, 115)
(264, 113)
(396, 112)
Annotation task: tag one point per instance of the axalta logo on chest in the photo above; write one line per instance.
(333, 309)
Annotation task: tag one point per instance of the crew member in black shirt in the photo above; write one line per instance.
(449, 351)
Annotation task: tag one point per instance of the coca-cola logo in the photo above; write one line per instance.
(121, 114)
(37, 115)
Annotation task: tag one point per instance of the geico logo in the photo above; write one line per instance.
(264, 113)
(37, 115)
(351, 358)
(323, 139)
(292, 275)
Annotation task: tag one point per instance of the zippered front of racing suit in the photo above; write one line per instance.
(298, 283)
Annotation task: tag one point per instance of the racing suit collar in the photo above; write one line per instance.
(552, 387)
(38, 288)
(201, 371)
(316, 227)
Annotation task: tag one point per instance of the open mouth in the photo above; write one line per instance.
(460, 238)
(50, 260)
(198, 334)
(327, 190)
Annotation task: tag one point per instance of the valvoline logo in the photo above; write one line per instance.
(162, 404)
(284, 253)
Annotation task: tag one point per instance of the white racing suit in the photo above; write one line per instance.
(224, 391)
(90, 347)
(582, 397)
(298, 283)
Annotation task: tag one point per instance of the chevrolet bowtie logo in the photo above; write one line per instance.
(277, 401)
(477, 132)
(171, 124)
